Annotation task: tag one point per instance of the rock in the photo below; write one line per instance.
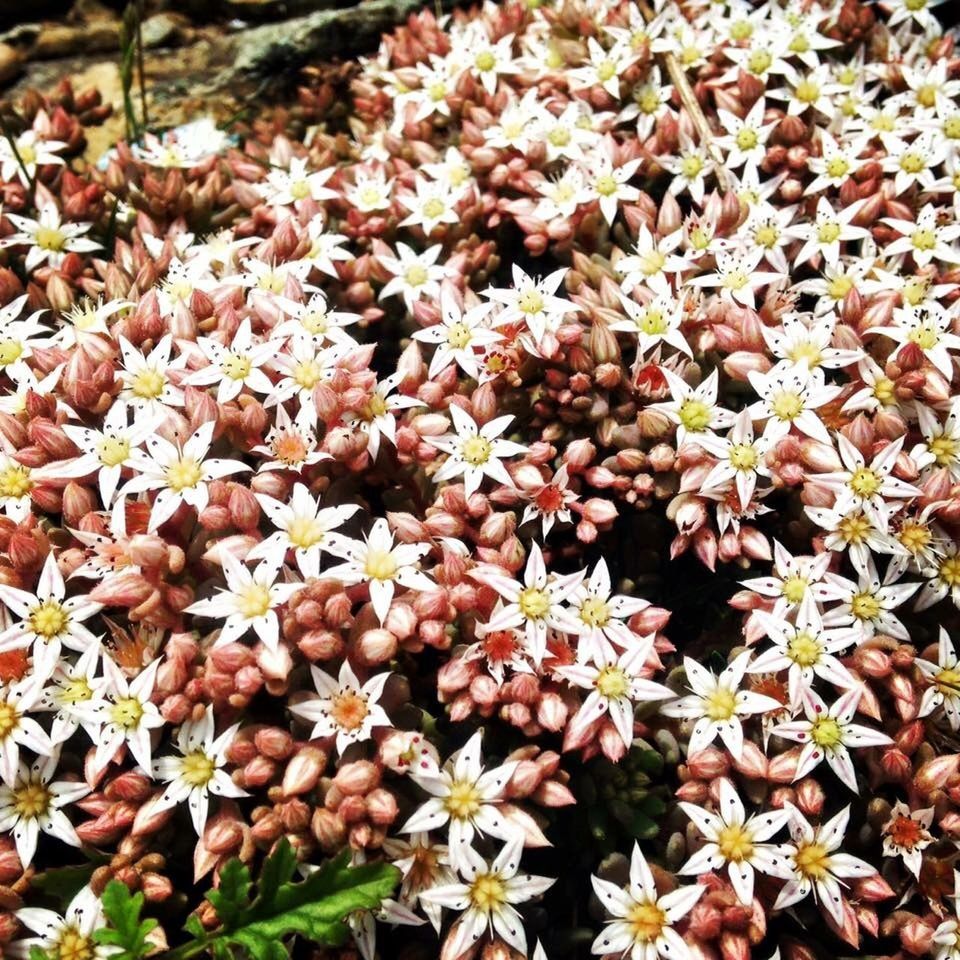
(259, 10)
(11, 63)
(162, 30)
(57, 40)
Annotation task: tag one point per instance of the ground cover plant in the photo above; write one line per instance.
(501, 504)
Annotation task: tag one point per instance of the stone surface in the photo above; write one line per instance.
(11, 62)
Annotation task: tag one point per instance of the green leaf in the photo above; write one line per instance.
(37, 954)
(63, 883)
(232, 898)
(314, 909)
(126, 931)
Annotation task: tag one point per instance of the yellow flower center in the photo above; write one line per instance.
(806, 351)
(9, 718)
(803, 650)
(272, 282)
(612, 683)
(647, 99)
(305, 532)
(10, 351)
(380, 565)
(476, 450)
(927, 95)
(812, 861)
(825, 732)
(530, 302)
(463, 801)
(735, 844)
(695, 415)
(743, 457)
(50, 238)
(840, 286)
(690, 166)
(459, 336)
(369, 195)
(767, 235)
(114, 451)
(837, 167)
(534, 603)
(865, 482)
(747, 138)
(808, 91)
(559, 136)
(75, 691)
(595, 612)
(950, 571)
(437, 90)
(235, 366)
(913, 162)
(607, 70)
(944, 450)
(28, 153)
(254, 601)
(855, 528)
(300, 190)
(865, 606)
(646, 921)
(126, 712)
(488, 893)
(884, 390)
(148, 384)
(197, 769)
(307, 373)
(15, 482)
(652, 262)
(73, 945)
(794, 588)
(924, 336)
(485, 60)
(828, 231)
(915, 536)
(185, 474)
(49, 619)
(606, 186)
(915, 291)
(759, 61)
(652, 322)
(948, 681)
(951, 127)
(721, 704)
(433, 208)
(799, 43)
(31, 800)
(787, 405)
(741, 30)
(923, 239)
(416, 276)
(689, 55)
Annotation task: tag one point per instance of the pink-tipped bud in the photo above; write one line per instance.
(358, 777)
(303, 771)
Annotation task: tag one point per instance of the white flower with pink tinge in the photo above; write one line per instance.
(382, 565)
(249, 601)
(717, 705)
(464, 797)
(475, 452)
(537, 604)
(643, 921)
(180, 474)
(197, 772)
(828, 733)
(615, 689)
(32, 804)
(486, 898)
(344, 709)
(736, 842)
(819, 866)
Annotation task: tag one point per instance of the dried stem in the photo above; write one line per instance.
(679, 79)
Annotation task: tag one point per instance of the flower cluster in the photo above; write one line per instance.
(351, 464)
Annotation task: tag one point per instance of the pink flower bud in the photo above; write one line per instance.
(552, 712)
(708, 764)
(358, 777)
(810, 796)
(303, 771)
(375, 647)
(937, 773)
(274, 743)
(382, 807)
